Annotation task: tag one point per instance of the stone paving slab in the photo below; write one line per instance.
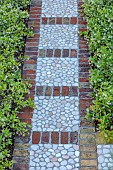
(105, 157)
(56, 114)
(58, 8)
(54, 157)
(57, 36)
(57, 72)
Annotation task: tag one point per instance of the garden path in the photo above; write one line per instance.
(61, 138)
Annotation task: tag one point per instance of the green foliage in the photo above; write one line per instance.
(99, 15)
(12, 87)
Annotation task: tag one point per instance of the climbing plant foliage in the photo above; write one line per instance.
(12, 88)
(99, 16)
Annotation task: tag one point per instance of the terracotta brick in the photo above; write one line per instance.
(29, 62)
(32, 44)
(27, 109)
(29, 71)
(66, 20)
(65, 91)
(58, 20)
(73, 53)
(64, 137)
(49, 53)
(57, 53)
(45, 137)
(48, 91)
(20, 166)
(73, 137)
(65, 53)
(31, 53)
(56, 91)
(44, 20)
(83, 80)
(31, 40)
(39, 90)
(35, 137)
(73, 91)
(51, 21)
(85, 90)
(54, 137)
(25, 115)
(73, 20)
(42, 53)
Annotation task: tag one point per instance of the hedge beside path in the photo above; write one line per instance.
(99, 16)
(13, 30)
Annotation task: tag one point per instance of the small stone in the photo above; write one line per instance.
(64, 162)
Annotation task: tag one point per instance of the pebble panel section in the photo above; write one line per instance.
(58, 36)
(56, 114)
(105, 157)
(59, 8)
(57, 72)
(54, 157)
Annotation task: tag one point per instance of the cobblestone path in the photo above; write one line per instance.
(55, 122)
(58, 69)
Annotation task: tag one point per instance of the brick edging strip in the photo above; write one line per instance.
(88, 150)
(21, 147)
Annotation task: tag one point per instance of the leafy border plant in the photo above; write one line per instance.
(12, 87)
(99, 16)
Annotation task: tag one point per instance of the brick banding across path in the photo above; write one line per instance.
(57, 53)
(59, 20)
(55, 137)
(58, 69)
(57, 91)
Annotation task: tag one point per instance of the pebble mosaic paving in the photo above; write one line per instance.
(56, 114)
(105, 157)
(59, 8)
(54, 157)
(57, 72)
(57, 36)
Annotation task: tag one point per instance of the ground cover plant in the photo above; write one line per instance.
(99, 16)
(12, 88)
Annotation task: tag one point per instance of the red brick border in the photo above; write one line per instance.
(88, 155)
(21, 149)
